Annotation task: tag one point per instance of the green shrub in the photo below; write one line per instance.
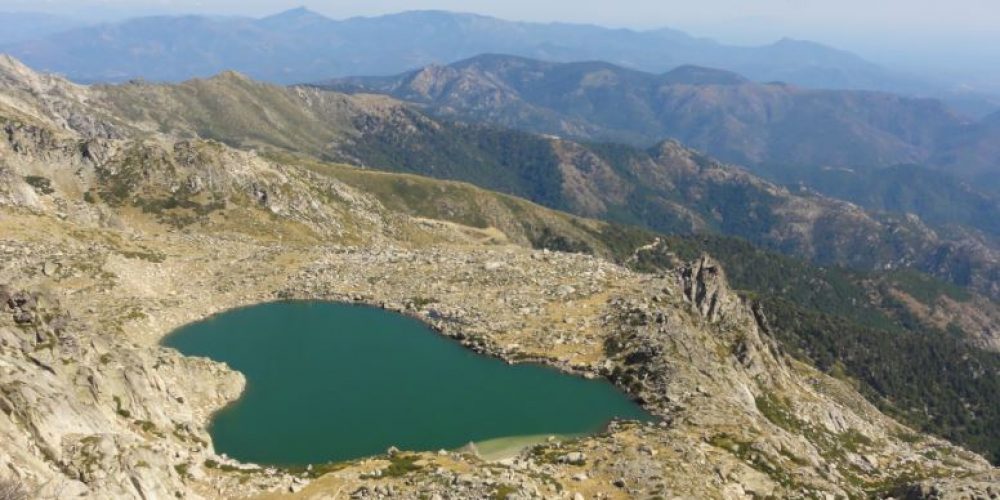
(41, 184)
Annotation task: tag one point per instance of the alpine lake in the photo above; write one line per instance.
(329, 382)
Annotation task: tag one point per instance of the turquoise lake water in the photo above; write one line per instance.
(329, 381)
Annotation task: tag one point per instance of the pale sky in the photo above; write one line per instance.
(957, 32)
(936, 15)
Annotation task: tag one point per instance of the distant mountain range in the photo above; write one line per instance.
(716, 111)
(302, 46)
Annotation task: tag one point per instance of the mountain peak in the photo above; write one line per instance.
(296, 12)
(10, 64)
(298, 15)
(792, 47)
(231, 75)
(794, 42)
(13, 71)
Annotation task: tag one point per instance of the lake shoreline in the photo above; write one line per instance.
(487, 398)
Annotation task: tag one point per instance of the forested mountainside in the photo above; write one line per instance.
(941, 200)
(717, 112)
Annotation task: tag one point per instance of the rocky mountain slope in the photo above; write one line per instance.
(111, 237)
(668, 188)
(714, 111)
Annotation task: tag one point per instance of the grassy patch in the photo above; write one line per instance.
(401, 465)
(908, 437)
(212, 464)
(421, 302)
(744, 451)
(149, 428)
(503, 491)
(122, 412)
(148, 256)
(854, 441)
(317, 470)
(546, 454)
(779, 412)
(832, 446)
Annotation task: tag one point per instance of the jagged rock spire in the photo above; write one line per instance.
(705, 287)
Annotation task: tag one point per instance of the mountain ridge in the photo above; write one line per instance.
(662, 188)
(653, 50)
(701, 75)
(728, 117)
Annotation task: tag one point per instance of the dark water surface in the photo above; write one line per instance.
(328, 381)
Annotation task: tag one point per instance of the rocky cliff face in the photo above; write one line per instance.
(86, 413)
(111, 238)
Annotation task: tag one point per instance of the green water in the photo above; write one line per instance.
(328, 382)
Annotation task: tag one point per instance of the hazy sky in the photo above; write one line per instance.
(947, 31)
(947, 15)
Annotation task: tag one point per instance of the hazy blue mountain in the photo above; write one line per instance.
(715, 111)
(934, 196)
(974, 150)
(973, 103)
(24, 26)
(301, 46)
